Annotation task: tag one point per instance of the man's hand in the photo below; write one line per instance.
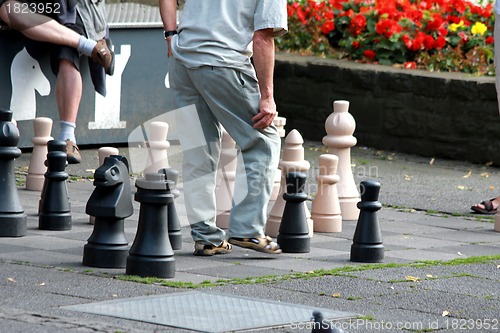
(169, 41)
(267, 112)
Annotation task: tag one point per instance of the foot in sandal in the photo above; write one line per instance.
(488, 207)
(262, 244)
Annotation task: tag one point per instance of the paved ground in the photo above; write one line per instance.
(435, 275)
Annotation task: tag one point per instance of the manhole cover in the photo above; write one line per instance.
(207, 312)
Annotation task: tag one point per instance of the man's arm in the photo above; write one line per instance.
(168, 13)
(263, 59)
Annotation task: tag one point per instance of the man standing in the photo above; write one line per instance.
(211, 71)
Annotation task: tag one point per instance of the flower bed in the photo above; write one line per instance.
(439, 35)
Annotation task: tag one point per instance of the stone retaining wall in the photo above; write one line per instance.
(445, 115)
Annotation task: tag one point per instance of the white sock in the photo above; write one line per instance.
(86, 46)
(67, 131)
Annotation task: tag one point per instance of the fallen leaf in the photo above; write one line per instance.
(407, 177)
(429, 275)
(11, 280)
(114, 295)
(42, 284)
(461, 187)
(336, 295)
(485, 174)
(468, 174)
(460, 254)
(431, 161)
(445, 314)
(412, 278)
(492, 187)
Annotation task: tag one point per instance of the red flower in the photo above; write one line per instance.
(440, 42)
(301, 16)
(327, 27)
(489, 40)
(358, 23)
(387, 27)
(355, 44)
(369, 54)
(428, 42)
(436, 23)
(410, 65)
(328, 15)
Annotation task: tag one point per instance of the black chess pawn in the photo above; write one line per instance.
(293, 234)
(13, 220)
(367, 241)
(110, 203)
(151, 253)
(174, 225)
(54, 211)
(320, 325)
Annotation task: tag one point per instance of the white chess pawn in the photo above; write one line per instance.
(37, 168)
(339, 127)
(280, 123)
(325, 209)
(292, 160)
(158, 144)
(226, 175)
(103, 152)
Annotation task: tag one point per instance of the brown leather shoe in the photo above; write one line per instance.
(72, 152)
(103, 55)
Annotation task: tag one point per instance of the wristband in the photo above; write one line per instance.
(170, 33)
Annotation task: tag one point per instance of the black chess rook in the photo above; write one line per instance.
(151, 254)
(367, 241)
(174, 224)
(13, 220)
(111, 204)
(293, 234)
(54, 211)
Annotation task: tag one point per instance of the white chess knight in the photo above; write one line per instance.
(26, 77)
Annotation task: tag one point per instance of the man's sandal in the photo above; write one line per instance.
(488, 208)
(202, 249)
(263, 244)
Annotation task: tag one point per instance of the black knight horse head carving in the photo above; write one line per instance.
(112, 196)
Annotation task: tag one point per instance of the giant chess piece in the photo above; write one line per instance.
(174, 224)
(151, 254)
(54, 206)
(13, 220)
(293, 235)
(110, 203)
(292, 159)
(158, 145)
(42, 126)
(280, 123)
(339, 127)
(367, 241)
(325, 209)
(226, 175)
(102, 153)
